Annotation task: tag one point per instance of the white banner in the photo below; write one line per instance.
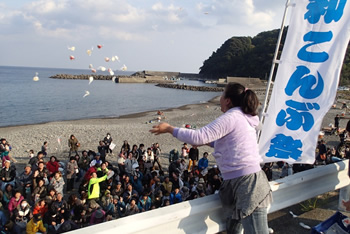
(306, 81)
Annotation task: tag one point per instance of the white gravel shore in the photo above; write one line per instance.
(133, 128)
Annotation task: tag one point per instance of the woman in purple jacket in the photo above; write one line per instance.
(245, 192)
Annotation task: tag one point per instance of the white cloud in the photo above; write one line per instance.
(158, 6)
(255, 17)
(132, 15)
(47, 6)
(138, 26)
(108, 33)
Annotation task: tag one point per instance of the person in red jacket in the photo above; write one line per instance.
(40, 208)
(52, 166)
(89, 172)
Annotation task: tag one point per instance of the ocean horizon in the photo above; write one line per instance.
(25, 101)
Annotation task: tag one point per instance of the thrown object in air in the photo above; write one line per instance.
(36, 78)
(111, 72)
(91, 79)
(115, 58)
(87, 93)
(89, 52)
(101, 68)
(124, 68)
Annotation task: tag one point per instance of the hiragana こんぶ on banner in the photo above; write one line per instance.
(306, 81)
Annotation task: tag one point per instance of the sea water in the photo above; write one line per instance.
(24, 101)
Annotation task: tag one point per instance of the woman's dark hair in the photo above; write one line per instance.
(241, 97)
(71, 158)
(71, 199)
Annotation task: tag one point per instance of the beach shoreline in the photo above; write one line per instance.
(132, 127)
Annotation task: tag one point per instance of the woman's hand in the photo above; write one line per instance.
(162, 128)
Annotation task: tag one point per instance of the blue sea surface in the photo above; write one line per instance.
(24, 101)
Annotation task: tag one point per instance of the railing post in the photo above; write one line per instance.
(343, 195)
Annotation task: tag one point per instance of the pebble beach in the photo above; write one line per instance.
(134, 128)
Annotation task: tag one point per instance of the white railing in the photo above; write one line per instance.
(205, 215)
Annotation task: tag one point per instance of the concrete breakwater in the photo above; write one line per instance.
(192, 88)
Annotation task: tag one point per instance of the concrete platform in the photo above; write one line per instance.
(282, 221)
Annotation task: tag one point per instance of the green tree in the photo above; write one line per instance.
(252, 57)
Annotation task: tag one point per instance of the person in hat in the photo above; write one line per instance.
(245, 193)
(84, 162)
(67, 225)
(173, 155)
(118, 189)
(119, 204)
(97, 160)
(107, 202)
(35, 225)
(97, 216)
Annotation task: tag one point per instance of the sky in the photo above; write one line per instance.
(145, 34)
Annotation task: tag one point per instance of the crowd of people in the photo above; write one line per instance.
(55, 196)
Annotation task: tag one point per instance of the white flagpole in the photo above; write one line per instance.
(274, 61)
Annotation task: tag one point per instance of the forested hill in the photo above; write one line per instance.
(252, 57)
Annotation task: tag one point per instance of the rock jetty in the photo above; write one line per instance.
(81, 77)
(192, 88)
